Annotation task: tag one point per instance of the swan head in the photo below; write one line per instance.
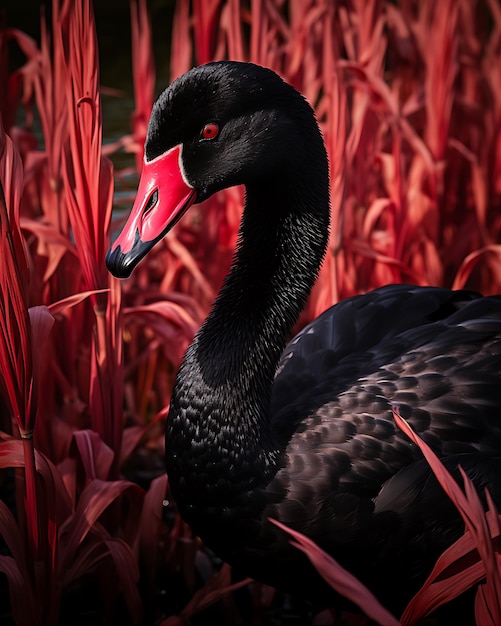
(221, 124)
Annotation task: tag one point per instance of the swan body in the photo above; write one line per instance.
(302, 432)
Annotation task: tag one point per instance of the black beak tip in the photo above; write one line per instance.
(121, 264)
(118, 263)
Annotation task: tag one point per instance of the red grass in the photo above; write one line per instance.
(408, 96)
(477, 543)
(143, 73)
(340, 579)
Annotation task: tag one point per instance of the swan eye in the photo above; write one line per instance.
(210, 131)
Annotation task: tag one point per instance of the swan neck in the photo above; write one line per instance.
(223, 392)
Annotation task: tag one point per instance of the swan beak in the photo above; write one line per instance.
(162, 198)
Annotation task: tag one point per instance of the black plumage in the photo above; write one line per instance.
(303, 432)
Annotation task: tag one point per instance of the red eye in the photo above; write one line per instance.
(210, 131)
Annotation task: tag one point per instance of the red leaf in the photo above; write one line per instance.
(15, 339)
(11, 534)
(96, 456)
(340, 579)
(94, 500)
(143, 74)
(480, 531)
(23, 604)
(41, 322)
(57, 498)
(474, 258)
(128, 574)
(51, 244)
(61, 307)
(216, 588)
(445, 582)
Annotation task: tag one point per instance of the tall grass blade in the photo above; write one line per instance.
(340, 579)
(143, 74)
(88, 183)
(476, 521)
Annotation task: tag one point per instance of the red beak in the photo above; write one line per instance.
(162, 198)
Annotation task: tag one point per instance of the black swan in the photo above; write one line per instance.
(303, 433)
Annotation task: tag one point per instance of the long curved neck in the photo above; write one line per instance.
(282, 242)
(224, 385)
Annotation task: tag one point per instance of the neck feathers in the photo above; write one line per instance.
(219, 418)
